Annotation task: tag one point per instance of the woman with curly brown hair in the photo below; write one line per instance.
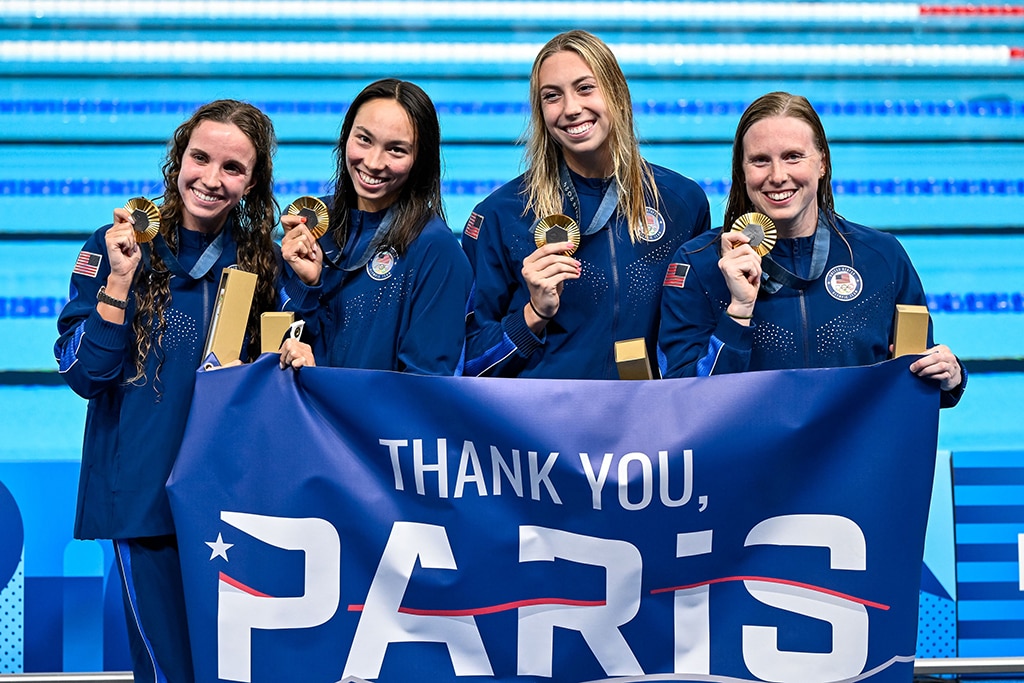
(131, 339)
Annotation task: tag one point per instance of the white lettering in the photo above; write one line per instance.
(441, 467)
(692, 612)
(599, 625)
(596, 482)
(470, 460)
(239, 612)
(666, 498)
(540, 476)
(514, 476)
(646, 481)
(849, 620)
(381, 622)
(393, 446)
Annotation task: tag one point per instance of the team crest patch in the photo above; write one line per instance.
(676, 275)
(381, 265)
(654, 226)
(843, 283)
(472, 228)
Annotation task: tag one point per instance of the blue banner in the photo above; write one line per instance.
(760, 527)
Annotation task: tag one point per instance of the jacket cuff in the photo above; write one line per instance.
(301, 297)
(519, 333)
(106, 335)
(734, 335)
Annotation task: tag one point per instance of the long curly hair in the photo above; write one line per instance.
(765, 107)
(253, 221)
(420, 196)
(543, 154)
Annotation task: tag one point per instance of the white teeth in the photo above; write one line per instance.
(203, 196)
(582, 128)
(779, 196)
(370, 180)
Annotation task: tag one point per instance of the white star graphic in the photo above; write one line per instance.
(219, 548)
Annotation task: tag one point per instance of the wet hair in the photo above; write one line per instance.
(252, 222)
(766, 107)
(543, 155)
(420, 197)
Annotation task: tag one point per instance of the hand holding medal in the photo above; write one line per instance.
(145, 217)
(315, 213)
(557, 228)
(759, 229)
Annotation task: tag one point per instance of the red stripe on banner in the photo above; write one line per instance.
(494, 609)
(241, 586)
(785, 582)
(1017, 53)
(973, 10)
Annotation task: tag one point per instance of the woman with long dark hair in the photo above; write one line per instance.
(385, 287)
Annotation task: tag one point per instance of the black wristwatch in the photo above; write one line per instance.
(105, 298)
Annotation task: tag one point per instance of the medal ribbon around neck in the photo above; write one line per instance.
(375, 243)
(147, 234)
(609, 201)
(778, 276)
(202, 267)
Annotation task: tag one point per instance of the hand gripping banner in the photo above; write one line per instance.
(760, 527)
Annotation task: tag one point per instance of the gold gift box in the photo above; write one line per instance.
(273, 326)
(910, 330)
(230, 315)
(631, 359)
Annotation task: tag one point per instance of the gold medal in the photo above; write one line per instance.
(315, 213)
(759, 229)
(146, 217)
(557, 228)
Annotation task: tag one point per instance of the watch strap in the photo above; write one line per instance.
(105, 298)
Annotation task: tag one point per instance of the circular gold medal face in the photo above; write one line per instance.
(759, 229)
(146, 217)
(315, 213)
(557, 228)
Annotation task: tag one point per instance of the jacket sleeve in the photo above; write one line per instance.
(435, 330)
(91, 353)
(301, 299)
(696, 337)
(498, 341)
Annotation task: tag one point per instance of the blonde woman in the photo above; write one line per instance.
(552, 311)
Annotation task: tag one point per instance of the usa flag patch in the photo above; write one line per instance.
(87, 264)
(472, 228)
(676, 275)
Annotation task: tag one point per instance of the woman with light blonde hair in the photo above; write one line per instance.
(557, 309)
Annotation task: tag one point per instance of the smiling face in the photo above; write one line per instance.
(575, 113)
(380, 153)
(216, 172)
(782, 168)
